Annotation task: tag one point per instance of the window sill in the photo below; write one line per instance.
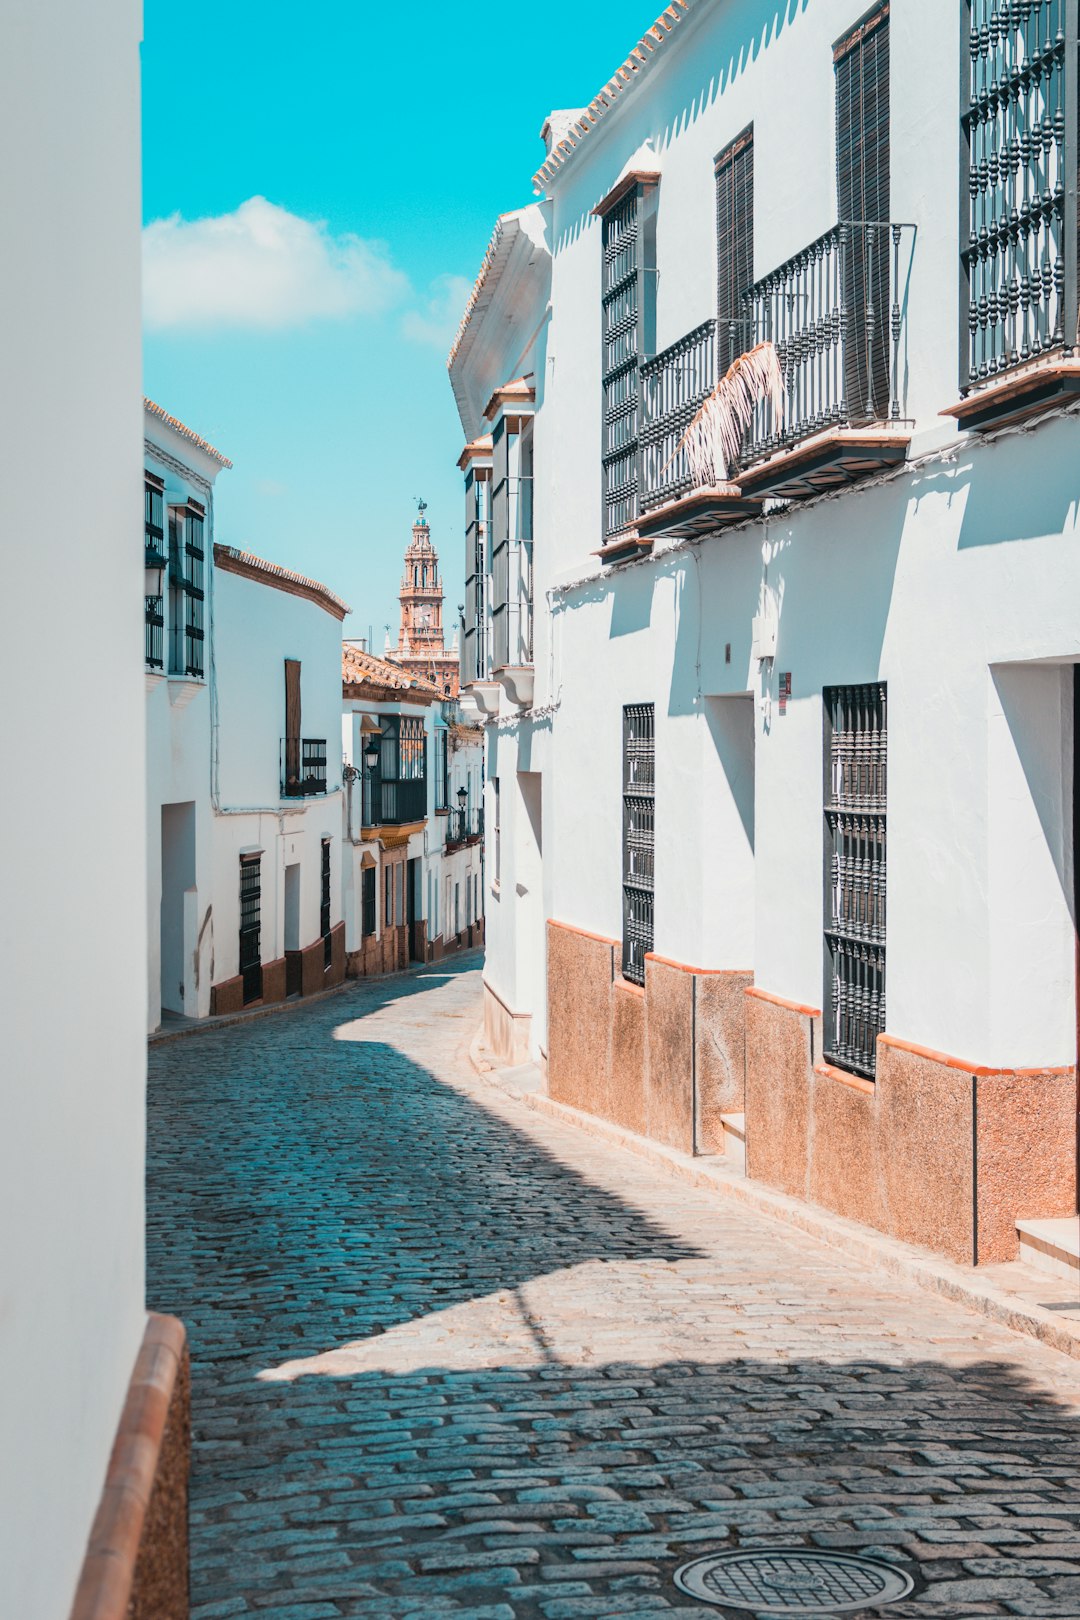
(182, 688)
(1013, 395)
(828, 1071)
(629, 986)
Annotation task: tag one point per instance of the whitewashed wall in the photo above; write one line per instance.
(180, 959)
(954, 583)
(256, 628)
(73, 988)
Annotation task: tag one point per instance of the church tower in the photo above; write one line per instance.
(421, 648)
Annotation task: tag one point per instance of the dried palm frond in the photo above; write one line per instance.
(714, 438)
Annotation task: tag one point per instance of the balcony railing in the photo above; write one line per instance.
(837, 314)
(464, 827)
(674, 385)
(303, 767)
(394, 804)
(511, 604)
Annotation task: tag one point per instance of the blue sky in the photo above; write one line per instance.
(319, 188)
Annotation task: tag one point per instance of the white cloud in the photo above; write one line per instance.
(437, 318)
(261, 266)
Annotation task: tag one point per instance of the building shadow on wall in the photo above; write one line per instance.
(1005, 502)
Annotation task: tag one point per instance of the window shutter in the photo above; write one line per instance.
(862, 194)
(734, 250)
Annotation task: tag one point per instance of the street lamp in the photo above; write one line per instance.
(371, 754)
(462, 795)
(155, 572)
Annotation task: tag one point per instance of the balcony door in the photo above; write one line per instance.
(292, 725)
(862, 193)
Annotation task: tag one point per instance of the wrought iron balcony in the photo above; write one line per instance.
(464, 827)
(303, 767)
(674, 385)
(394, 804)
(155, 633)
(836, 312)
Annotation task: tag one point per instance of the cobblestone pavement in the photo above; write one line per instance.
(453, 1358)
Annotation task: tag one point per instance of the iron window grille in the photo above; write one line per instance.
(474, 665)
(303, 767)
(367, 922)
(1019, 184)
(324, 904)
(388, 898)
(639, 837)
(154, 546)
(251, 926)
(628, 302)
(442, 784)
(856, 792)
(187, 590)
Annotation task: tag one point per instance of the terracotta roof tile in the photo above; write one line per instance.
(625, 78)
(269, 573)
(184, 432)
(359, 668)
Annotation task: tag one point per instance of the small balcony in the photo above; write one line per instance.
(837, 314)
(394, 804)
(303, 767)
(464, 827)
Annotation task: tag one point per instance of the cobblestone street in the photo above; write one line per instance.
(452, 1357)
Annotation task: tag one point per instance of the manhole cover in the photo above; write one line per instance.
(793, 1580)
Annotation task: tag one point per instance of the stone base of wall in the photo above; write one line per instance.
(389, 953)
(471, 938)
(665, 1061)
(934, 1152)
(507, 1035)
(297, 972)
(136, 1565)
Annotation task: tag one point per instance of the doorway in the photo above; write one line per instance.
(415, 905)
(177, 877)
(294, 975)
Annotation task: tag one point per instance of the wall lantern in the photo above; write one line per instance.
(462, 795)
(155, 572)
(371, 753)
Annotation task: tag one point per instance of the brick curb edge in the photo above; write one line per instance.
(885, 1254)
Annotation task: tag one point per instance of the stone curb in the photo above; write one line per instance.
(883, 1253)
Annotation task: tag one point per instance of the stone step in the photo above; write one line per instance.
(1052, 1246)
(735, 1140)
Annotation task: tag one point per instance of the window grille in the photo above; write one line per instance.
(855, 874)
(511, 543)
(324, 904)
(639, 753)
(399, 793)
(367, 924)
(628, 317)
(734, 250)
(474, 641)
(862, 194)
(187, 591)
(1020, 151)
(251, 926)
(154, 540)
(388, 898)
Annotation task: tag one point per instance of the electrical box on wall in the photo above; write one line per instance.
(764, 636)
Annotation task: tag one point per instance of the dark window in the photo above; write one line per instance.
(474, 648)
(629, 338)
(511, 543)
(388, 898)
(1020, 157)
(400, 788)
(498, 829)
(856, 748)
(187, 590)
(862, 192)
(251, 926)
(734, 250)
(367, 924)
(639, 776)
(324, 904)
(155, 559)
(441, 780)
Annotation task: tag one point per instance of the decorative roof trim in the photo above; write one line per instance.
(624, 79)
(389, 681)
(518, 392)
(636, 177)
(248, 566)
(185, 432)
(474, 450)
(505, 226)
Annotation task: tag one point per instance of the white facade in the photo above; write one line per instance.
(72, 1096)
(264, 618)
(950, 576)
(178, 705)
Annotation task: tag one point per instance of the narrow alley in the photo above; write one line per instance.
(451, 1357)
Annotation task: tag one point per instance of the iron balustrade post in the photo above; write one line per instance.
(1070, 154)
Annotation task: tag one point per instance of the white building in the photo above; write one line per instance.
(687, 780)
(72, 1096)
(179, 473)
(413, 824)
(244, 779)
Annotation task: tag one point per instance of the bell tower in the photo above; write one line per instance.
(421, 647)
